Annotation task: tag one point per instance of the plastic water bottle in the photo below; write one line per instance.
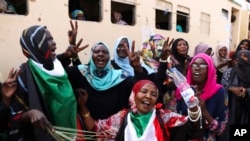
(186, 91)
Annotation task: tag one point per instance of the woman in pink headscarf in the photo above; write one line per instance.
(144, 121)
(202, 74)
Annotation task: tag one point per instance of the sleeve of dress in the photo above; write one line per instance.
(173, 119)
(108, 128)
(225, 78)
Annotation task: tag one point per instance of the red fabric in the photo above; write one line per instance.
(138, 85)
(158, 131)
(79, 127)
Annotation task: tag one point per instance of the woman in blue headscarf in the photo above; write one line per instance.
(108, 89)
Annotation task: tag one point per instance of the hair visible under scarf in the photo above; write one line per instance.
(180, 58)
(242, 68)
(136, 88)
(34, 45)
(211, 86)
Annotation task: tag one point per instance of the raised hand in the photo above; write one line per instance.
(9, 86)
(72, 33)
(73, 50)
(134, 57)
(166, 48)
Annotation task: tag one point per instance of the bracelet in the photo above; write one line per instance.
(163, 61)
(86, 115)
(197, 115)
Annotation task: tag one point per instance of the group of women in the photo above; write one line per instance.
(114, 99)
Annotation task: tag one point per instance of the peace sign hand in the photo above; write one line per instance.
(73, 50)
(166, 48)
(72, 33)
(9, 86)
(134, 57)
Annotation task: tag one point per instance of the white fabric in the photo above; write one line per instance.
(58, 69)
(148, 134)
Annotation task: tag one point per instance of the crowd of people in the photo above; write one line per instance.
(130, 97)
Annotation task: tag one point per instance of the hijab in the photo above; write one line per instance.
(110, 77)
(50, 77)
(243, 67)
(136, 88)
(141, 126)
(211, 86)
(218, 59)
(178, 60)
(201, 48)
(76, 12)
(123, 63)
(35, 45)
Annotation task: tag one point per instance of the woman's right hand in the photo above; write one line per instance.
(9, 86)
(37, 119)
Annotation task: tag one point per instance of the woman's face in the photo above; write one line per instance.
(100, 56)
(146, 98)
(244, 56)
(244, 45)
(182, 47)
(223, 52)
(199, 70)
(121, 49)
(51, 44)
(209, 52)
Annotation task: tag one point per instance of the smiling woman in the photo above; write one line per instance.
(144, 120)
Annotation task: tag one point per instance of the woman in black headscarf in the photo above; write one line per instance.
(237, 82)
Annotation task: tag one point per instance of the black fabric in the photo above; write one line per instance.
(26, 131)
(35, 46)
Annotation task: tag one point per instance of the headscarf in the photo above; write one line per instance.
(239, 47)
(35, 45)
(201, 48)
(178, 60)
(136, 88)
(211, 86)
(110, 76)
(123, 63)
(243, 68)
(219, 60)
(50, 77)
(75, 13)
(140, 123)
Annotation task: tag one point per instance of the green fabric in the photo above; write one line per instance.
(140, 122)
(58, 95)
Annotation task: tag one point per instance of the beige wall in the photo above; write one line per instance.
(54, 14)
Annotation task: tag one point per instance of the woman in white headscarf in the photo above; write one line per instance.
(221, 60)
